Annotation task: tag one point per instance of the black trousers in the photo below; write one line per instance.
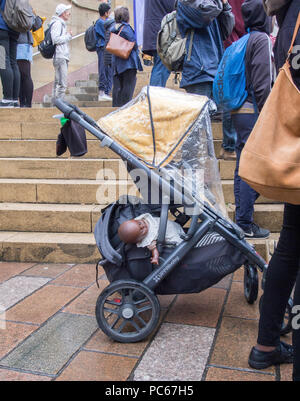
(26, 84)
(123, 87)
(282, 275)
(9, 71)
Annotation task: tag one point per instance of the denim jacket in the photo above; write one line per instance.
(133, 62)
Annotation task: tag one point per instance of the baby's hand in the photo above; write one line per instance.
(154, 260)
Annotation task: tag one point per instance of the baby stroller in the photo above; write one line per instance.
(166, 137)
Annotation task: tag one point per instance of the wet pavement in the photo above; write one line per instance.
(48, 331)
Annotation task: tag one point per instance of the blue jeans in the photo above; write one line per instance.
(245, 196)
(105, 80)
(160, 74)
(229, 132)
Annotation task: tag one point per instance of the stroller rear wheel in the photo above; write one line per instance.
(250, 284)
(127, 311)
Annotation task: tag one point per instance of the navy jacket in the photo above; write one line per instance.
(207, 49)
(287, 18)
(133, 62)
(258, 60)
(100, 33)
(155, 10)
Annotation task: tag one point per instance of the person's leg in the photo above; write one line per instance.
(229, 137)
(245, 196)
(116, 91)
(14, 65)
(61, 77)
(109, 79)
(128, 86)
(6, 72)
(102, 85)
(280, 279)
(296, 330)
(159, 74)
(26, 85)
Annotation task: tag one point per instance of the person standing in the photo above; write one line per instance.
(9, 71)
(259, 79)
(229, 132)
(155, 10)
(100, 31)
(61, 37)
(125, 71)
(284, 267)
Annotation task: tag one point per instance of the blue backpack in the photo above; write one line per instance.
(229, 87)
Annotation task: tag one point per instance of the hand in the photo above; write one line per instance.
(224, 1)
(154, 260)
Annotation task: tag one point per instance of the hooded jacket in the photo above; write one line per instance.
(155, 10)
(258, 59)
(60, 38)
(286, 18)
(207, 46)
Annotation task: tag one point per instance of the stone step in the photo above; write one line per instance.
(98, 191)
(31, 217)
(47, 149)
(77, 168)
(41, 115)
(66, 218)
(70, 247)
(48, 127)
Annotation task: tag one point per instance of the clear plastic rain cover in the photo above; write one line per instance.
(170, 132)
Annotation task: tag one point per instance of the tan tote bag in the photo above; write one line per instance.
(270, 160)
(119, 46)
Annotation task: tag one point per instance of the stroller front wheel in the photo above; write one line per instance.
(127, 311)
(250, 284)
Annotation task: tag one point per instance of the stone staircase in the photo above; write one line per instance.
(49, 206)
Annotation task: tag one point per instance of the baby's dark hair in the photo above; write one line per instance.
(121, 15)
(103, 8)
(128, 232)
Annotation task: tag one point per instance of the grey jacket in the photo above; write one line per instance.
(60, 38)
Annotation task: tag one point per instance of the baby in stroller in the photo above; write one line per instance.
(143, 231)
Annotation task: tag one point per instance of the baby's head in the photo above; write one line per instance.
(133, 231)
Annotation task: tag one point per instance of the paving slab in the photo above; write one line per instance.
(178, 353)
(48, 349)
(17, 288)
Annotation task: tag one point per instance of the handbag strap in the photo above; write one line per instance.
(294, 35)
(121, 30)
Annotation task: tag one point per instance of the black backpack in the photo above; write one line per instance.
(46, 47)
(90, 39)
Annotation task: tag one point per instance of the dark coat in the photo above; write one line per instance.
(108, 25)
(258, 60)
(133, 62)
(207, 49)
(287, 18)
(155, 10)
(239, 26)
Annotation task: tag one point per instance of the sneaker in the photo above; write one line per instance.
(256, 232)
(226, 155)
(104, 98)
(7, 105)
(261, 360)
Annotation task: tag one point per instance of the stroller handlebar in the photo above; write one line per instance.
(73, 112)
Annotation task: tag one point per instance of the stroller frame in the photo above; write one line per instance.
(210, 219)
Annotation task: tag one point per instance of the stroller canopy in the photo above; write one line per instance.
(170, 132)
(154, 124)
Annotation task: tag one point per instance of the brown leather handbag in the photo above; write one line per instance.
(270, 160)
(119, 46)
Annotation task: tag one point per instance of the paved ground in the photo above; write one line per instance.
(48, 332)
